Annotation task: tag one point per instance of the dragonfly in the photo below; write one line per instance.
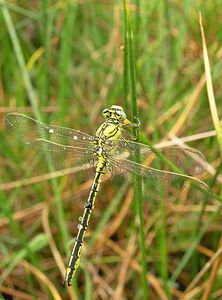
(109, 150)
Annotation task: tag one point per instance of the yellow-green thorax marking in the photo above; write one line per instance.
(108, 132)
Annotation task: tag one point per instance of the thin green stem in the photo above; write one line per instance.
(138, 189)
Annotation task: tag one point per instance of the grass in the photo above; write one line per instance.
(63, 63)
(131, 71)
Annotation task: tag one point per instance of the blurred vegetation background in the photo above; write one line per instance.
(65, 61)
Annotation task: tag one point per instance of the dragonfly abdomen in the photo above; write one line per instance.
(74, 259)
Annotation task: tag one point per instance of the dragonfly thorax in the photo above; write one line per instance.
(105, 140)
(108, 132)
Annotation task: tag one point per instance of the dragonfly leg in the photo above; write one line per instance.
(136, 125)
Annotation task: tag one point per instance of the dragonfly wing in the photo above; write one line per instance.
(28, 130)
(156, 183)
(188, 160)
(65, 158)
(67, 148)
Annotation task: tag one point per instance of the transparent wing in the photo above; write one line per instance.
(28, 130)
(66, 158)
(188, 160)
(68, 148)
(157, 184)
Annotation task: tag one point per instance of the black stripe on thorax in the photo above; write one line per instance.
(114, 133)
(114, 129)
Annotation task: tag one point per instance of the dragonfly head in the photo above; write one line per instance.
(115, 112)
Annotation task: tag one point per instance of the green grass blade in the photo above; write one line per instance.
(47, 29)
(138, 190)
(20, 58)
(64, 58)
(38, 242)
(89, 286)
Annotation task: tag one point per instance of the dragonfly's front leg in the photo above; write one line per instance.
(127, 123)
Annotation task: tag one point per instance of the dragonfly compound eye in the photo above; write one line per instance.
(106, 113)
(120, 115)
